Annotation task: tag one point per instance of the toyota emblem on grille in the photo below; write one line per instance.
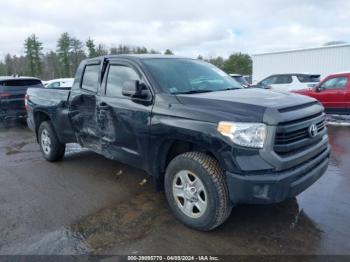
(313, 130)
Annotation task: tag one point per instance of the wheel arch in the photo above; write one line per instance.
(39, 117)
(171, 148)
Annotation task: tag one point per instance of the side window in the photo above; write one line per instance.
(334, 83)
(117, 75)
(308, 78)
(90, 78)
(268, 81)
(283, 79)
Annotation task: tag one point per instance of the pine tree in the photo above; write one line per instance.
(9, 65)
(63, 52)
(52, 68)
(168, 52)
(101, 50)
(91, 48)
(33, 50)
(77, 53)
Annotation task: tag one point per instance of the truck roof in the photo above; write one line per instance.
(137, 57)
(145, 56)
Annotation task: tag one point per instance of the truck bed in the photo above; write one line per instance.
(51, 103)
(48, 97)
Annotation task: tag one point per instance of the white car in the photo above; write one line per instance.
(59, 83)
(290, 82)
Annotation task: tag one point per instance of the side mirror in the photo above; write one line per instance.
(318, 88)
(135, 89)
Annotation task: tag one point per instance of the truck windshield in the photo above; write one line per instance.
(186, 76)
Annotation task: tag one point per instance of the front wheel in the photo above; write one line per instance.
(51, 148)
(196, 191)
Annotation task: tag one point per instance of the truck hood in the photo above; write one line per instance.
(241, 104)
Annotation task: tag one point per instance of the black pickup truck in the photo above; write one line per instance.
(209, 143)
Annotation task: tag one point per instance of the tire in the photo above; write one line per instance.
(51, 148)
(208, 205)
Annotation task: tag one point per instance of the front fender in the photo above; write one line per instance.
(165, 130)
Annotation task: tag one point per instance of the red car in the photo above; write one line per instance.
(333, 92)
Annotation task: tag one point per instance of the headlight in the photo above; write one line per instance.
(244, 134)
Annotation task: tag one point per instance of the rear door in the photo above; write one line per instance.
(332, 93)
(124, 122)
(82, 106)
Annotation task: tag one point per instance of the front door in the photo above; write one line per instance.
(124, 122)
(332, 94)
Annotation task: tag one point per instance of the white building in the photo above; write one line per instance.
(323, 60)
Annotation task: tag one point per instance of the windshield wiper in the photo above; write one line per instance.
(193, 92)
(230, 88)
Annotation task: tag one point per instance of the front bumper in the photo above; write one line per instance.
(278, 186)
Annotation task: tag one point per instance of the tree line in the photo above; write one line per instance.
(70, 51)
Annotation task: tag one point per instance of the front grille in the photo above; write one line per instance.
(293, 136)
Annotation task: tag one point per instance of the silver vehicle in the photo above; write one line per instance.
(59, 83)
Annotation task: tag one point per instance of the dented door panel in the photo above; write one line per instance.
(124, 128)
(83, 119)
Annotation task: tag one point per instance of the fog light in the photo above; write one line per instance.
(261, 191)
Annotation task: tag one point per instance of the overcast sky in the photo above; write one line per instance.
(188, 27)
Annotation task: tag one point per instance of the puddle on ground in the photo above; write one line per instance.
(122, 223)
(327, 202)
(128, 221)
(62, 241)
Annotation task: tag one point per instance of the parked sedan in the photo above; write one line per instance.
(290, 82)
(333, 92)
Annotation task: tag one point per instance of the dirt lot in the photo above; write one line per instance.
(88, 204)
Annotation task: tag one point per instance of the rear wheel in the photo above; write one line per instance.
(196, 191)
(51, 148)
